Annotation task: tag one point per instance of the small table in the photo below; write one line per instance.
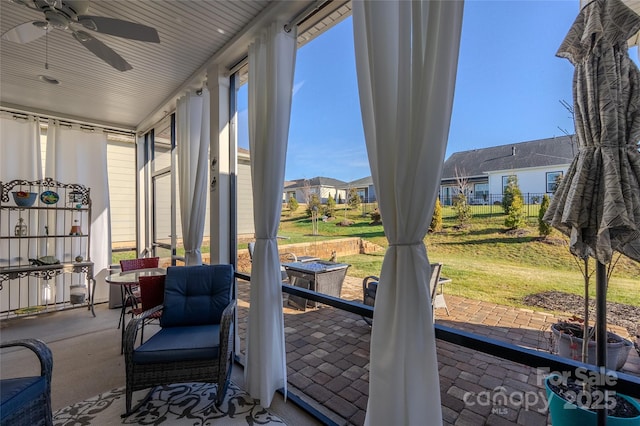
(319, 275)
(127, 280)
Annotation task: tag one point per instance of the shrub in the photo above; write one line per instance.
(330, 207)
(543, 227)
(314, 201)
(515, 215)
(436, 219)
(353, 199)
(510, 192)
(293, 205)
(462, 209)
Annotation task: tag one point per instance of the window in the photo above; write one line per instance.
(553, 180)
(505, 182)
(481, 192)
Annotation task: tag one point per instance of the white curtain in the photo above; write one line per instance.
(79, 156)
(20, 156)
(272, 59)
(192, 115)
(406, 61)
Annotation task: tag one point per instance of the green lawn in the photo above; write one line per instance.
(484, 261)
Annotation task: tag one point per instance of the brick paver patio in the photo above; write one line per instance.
(328, 361)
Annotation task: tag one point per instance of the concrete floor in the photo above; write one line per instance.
(86, 357)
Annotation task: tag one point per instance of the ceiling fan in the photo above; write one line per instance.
(71, 16)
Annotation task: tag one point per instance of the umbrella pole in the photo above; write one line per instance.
(601, 330)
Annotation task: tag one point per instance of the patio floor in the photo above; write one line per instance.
(327, 358)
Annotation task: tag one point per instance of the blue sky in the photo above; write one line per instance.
(509, 86)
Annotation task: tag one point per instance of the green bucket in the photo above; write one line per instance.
(564, 413)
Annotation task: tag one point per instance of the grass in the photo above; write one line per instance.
(484, 261)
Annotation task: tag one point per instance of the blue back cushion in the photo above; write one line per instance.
(196, 295)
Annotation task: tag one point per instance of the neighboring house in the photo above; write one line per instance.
(245, 194)
(302, 189)
(364, 188)
(538, 165)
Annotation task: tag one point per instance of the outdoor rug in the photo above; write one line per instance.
(177, 404)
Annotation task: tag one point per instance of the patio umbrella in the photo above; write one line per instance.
(598, 202)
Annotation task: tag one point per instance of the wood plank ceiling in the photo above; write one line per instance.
(191, 33)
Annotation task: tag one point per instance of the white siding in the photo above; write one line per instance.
(245, 199)
(121, 160)
(532, 181)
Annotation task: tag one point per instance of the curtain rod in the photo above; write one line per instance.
(68, 121)
(297, 20)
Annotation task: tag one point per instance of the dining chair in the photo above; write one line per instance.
(370, 288)
(151, 295)
(127, 265)
(290, 256)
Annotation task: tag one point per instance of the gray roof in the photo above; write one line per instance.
(359, 183)
(315, 181)
(539, 153)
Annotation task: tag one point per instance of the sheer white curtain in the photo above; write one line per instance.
(272, 59)
(20, 156)
(406, 61)
(192, 115)
(79, 156)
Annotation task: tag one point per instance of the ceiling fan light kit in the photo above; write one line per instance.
(70, 16)
(48, 79)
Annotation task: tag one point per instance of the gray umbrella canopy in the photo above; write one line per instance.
(598, 202)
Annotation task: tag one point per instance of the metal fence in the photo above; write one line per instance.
(490, 205)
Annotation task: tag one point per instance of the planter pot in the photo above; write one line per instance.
(571, 347)
(564, 413)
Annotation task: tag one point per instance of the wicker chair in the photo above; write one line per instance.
(27, 400)
(370, 288)
(151, 295)
(195, 342)
(135, 264)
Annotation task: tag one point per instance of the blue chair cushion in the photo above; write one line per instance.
(16, 393)
(197, 342)
(196, 295)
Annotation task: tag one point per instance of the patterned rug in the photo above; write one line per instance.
(178, 404)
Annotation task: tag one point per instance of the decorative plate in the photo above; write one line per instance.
(49, 197)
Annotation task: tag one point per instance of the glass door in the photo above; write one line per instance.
(163, 192)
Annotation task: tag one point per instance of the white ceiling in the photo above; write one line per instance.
(193, 34)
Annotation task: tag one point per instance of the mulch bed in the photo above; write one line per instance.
(619, 314)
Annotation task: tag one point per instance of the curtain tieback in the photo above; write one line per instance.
(265, 239)
(189, 251)
(415, 243)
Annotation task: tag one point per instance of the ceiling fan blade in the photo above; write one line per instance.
(120, 28)
(102, 51)
(24, 33)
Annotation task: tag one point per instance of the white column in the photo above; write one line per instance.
(220, 166)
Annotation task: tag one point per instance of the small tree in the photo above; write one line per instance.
(353, 199)
(462, 208)
(436, 220)
(330, 207)
(292, 204)
(510, 192)
(314, 201)
(515, 214)
(543, 227)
